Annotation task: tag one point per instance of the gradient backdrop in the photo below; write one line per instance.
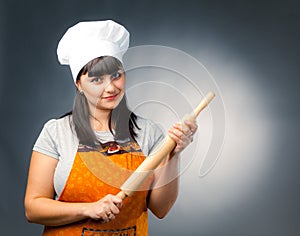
(250, 49)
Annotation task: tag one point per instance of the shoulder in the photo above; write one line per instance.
(60, 124)
(56, 129)
(56, 135)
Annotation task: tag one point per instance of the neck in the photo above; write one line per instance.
(100, 121)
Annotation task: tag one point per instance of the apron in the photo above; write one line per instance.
(97, 172)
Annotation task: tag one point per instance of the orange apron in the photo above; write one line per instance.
(96, 173)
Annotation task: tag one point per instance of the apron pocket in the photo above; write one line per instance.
(130, 231)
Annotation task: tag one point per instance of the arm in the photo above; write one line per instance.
(41, 208)
(166, 181)
(165, 187)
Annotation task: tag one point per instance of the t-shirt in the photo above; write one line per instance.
(58, 140)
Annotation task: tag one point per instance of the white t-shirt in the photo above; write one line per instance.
(58, 140)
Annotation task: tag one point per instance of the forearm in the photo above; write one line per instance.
(165, 187)
(50, 212)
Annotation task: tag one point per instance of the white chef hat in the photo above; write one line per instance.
(88, 40)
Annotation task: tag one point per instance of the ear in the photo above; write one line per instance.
(78, 85)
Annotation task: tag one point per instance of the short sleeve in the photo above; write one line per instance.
(156, 135)
(149, 136)
(46, 142)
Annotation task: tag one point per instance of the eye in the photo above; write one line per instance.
(96, 80)
(116, 75)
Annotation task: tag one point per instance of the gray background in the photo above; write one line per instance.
(252, 50)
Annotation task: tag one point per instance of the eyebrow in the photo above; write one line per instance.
(117, 71)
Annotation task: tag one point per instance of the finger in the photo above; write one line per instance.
(181, 142)
(181, 127)
(114, 201)
(114, 209)
(110, 215)
(192, 126)
(182, 134)
(119, 205)
(175, 134)
(117, 201)
(104, 218)
(187, 128)
(181, 139)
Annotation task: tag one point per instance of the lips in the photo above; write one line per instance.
(112, 97)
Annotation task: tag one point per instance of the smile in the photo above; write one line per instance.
(110, 97)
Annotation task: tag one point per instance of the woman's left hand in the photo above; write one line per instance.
(182, 134)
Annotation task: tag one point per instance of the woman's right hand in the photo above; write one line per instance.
(41, 208)
(104, 210)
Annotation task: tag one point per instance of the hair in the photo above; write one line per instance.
(123, 119)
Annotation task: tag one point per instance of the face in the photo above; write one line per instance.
(103, 92)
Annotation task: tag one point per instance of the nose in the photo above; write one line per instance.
(109, 86)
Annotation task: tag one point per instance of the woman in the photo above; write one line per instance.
(80, 161)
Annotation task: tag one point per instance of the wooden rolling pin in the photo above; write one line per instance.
(137, 178)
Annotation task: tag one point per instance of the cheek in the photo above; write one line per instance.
(120, 84)
(94, 93)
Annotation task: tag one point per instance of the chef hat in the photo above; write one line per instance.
(86, 41)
